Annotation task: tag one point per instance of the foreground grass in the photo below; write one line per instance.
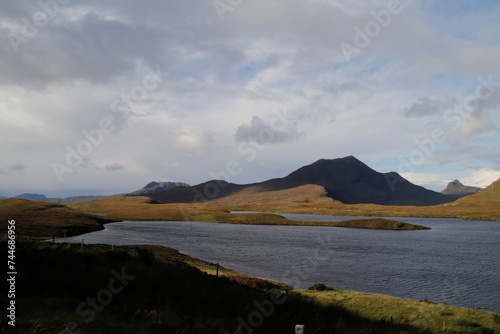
(166, 292)
(438, 318)
(61, 288)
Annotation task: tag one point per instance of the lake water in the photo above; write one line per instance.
(455, 262)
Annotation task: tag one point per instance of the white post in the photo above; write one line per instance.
(300, 329)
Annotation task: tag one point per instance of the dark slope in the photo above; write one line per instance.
(196, 194)
(154, 187)
(351, 181)
(345, 179)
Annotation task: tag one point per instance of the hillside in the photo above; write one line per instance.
(489, 195)
(347, 180)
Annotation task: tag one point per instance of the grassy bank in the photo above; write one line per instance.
(439, 318)
(61, 288)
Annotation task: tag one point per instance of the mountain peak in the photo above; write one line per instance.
(456, 189)
(151, 184)
(153, 187)
(350, 181)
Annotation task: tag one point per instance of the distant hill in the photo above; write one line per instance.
(154, 187)
(457, 190)
(151, 187)
(347, 180)
(79, 199)
(33, 197)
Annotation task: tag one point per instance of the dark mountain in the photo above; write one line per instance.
(202, 192)
(351, 181)
(154, 187)
(457, 190)
(33, 197)
(345, 179)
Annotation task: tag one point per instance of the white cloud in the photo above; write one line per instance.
(482, 177)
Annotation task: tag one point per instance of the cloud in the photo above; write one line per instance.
(114, 167)
(17, 167)
(426, 106)
(267, 132)
(482, 177)
(486, 104)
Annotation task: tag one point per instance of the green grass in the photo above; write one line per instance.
(423, 314)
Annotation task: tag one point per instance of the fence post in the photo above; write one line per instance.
(300, 329)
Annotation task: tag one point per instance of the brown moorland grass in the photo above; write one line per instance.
(46, 220)
(309, 193)
(466, 208)
(143, 208)
(131, 208)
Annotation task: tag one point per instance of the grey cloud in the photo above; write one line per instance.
(424, 107)
(93, 49)
(480, 120)
(491, 96)
(266, 133)
(17, 167)
(468, 156)
(114, 167)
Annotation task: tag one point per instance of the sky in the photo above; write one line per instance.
(102, 97)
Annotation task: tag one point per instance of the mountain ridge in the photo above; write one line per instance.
(346, 179)
(154, 186)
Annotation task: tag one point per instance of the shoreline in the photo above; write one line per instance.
(211, 269)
